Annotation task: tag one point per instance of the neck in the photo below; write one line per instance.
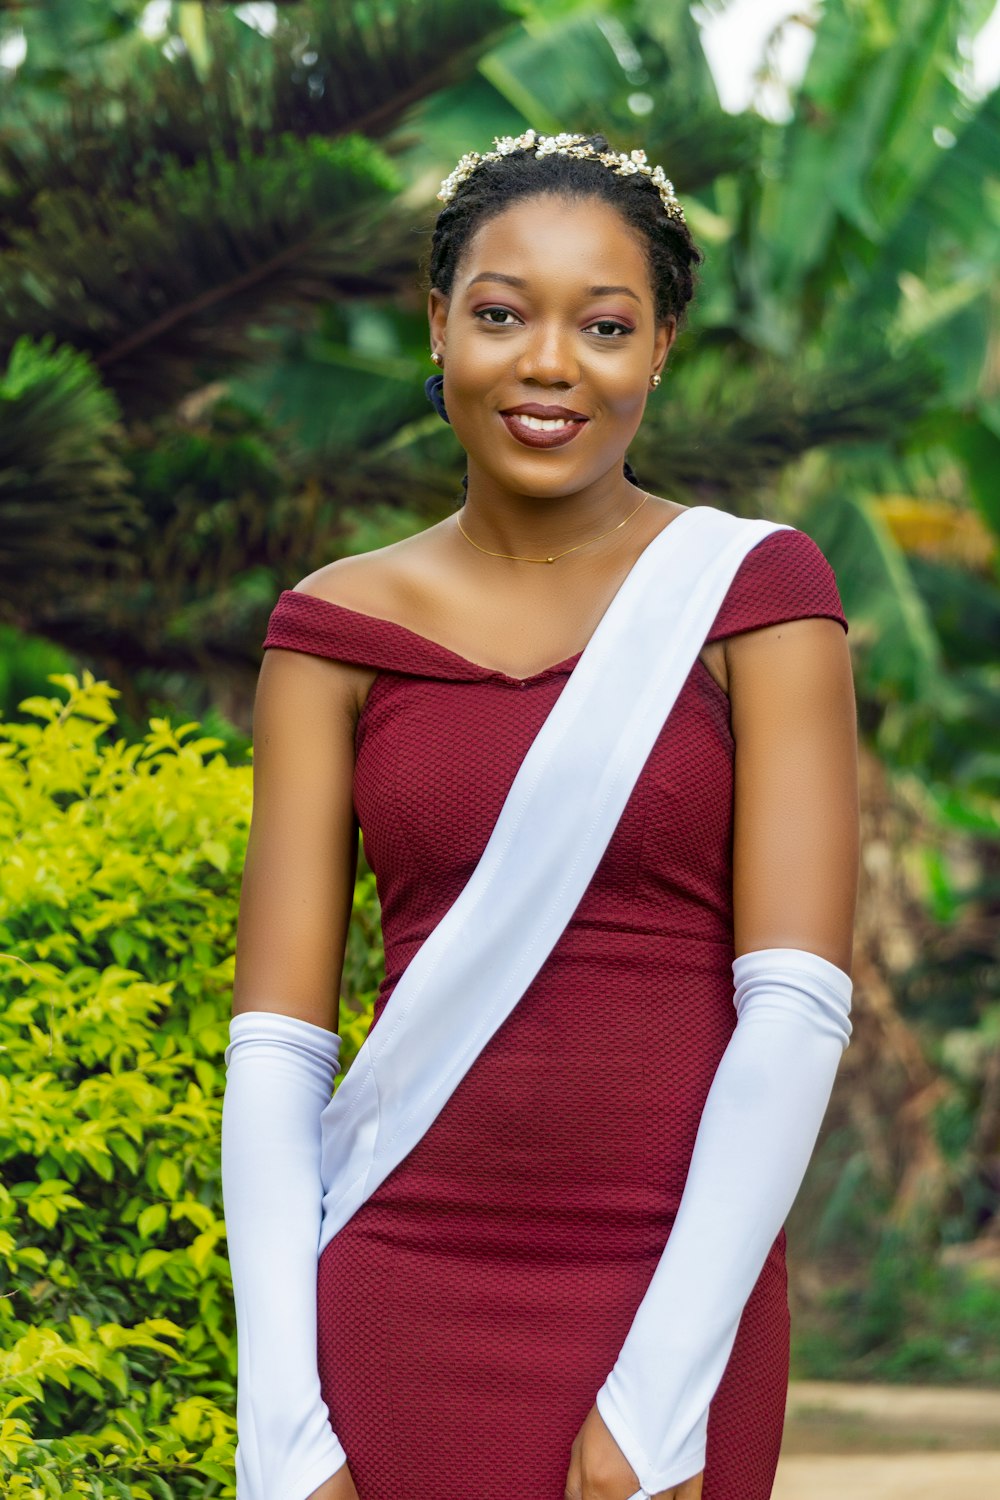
(538, 525)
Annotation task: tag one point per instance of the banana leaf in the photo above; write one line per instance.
(890, 627)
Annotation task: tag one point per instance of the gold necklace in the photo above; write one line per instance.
(512, 557)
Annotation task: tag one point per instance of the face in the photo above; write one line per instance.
(549, 338)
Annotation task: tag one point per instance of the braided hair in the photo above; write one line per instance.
(494, 185)
(671, 254)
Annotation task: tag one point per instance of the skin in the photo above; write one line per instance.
(552, 340)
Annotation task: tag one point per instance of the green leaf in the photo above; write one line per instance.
(549, 73)
(152, 1220)
(168, 1176)
(977, 439)
(122, 945)
(150, 1263)
(899, 653)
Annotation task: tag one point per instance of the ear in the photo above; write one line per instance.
(437, 317)
(666, 332)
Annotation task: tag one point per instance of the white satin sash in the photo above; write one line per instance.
(555, 824)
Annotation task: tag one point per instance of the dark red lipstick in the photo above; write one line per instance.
(545, 427)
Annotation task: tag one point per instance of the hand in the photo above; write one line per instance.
(599, 1470)
(339, 1486)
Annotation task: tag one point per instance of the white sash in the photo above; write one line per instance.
(555, 824)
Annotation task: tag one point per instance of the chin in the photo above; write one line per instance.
(544, 481)
(546, 473)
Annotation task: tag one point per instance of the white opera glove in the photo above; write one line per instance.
(279, 1076)
(757, 1132)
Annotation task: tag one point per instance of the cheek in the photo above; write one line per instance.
(474, 367)
(630, 392)
(619, 378)
(625, 392)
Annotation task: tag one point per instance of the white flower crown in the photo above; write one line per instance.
(565, 145)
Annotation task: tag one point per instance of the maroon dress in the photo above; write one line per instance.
(473, 1305)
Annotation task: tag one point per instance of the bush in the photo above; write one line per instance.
(119, 891)
(909, 1318)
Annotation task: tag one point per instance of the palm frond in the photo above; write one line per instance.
(360, 64)
(728, 431)
(219, 507)
(63, 488)
(170, 286)
(328, 70)
(193, 591)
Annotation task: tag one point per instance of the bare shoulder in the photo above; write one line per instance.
(812, 639)
(386, 581)
(381, 583)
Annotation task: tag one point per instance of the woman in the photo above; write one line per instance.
(522, 1306)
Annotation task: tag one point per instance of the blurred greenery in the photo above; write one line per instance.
(911, 1319)
(213, 229)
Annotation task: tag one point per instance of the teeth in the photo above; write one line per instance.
(544, 424)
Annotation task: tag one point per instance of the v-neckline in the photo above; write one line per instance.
(497, 672)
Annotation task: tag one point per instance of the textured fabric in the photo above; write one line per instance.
(472, 1307)
(554, 826)
(757, 1132)
(279, 1075)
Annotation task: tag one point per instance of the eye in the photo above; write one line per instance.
(610, 328)
(495, 316)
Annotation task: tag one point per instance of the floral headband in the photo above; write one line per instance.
(566, 145)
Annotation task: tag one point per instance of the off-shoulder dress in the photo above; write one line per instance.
(471, 1308)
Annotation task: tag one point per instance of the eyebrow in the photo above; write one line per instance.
(594, 291)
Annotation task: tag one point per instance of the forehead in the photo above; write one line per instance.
(549, 237)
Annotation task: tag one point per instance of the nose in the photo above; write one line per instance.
(546, 356)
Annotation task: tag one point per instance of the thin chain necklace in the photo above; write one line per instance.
(512, 557)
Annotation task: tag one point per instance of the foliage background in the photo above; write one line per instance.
(211, 383)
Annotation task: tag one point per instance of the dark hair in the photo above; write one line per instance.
(671, 253)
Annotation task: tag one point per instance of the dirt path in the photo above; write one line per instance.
(883, 1442)
(923, 1476)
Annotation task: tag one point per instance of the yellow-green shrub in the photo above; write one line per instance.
(119, 880)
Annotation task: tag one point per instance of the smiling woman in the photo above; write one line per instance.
(549, 330)
(533, 1245)
(611, 244)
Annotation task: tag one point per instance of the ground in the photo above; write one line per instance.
(882, 1442)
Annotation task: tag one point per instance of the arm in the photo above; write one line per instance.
(795, 881)
(796, 816)
(302, 849)
(282, 1057)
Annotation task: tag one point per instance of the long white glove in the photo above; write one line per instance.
(279, 1075)
(757, 1132)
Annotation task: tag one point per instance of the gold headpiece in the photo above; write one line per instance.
(566, 145)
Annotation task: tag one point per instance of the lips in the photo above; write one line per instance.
(543, 426)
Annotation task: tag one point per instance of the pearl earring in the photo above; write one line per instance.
(436, 357)
(654, 381)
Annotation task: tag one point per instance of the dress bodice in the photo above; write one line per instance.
(440, 738)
